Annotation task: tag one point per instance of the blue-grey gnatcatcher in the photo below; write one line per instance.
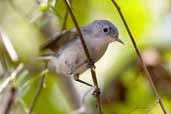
(68, 55)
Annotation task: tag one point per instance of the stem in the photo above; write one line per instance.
(93, 73)
(140, 57)
(65, 21)
(79, 31)
(38, 91)
(66, 18)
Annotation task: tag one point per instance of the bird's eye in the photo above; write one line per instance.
(105, 30)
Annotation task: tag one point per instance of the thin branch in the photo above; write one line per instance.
(38, 91)
(66, 18)
(140, 57)
(87, 55)
(65, 21)
(10, 100)
(79, 31)
(11, 77)
(97, 90)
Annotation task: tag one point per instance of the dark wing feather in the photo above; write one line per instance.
(58, 41)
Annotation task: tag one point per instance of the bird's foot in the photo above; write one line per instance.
(91, 64)
(96, 92)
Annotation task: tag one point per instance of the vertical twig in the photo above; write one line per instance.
(65, 21)
(97, 95)
(38, 91)
(35, 98)
(93, 73)
(140, 57)
(66, 18)
(79, 31)
(10, 101)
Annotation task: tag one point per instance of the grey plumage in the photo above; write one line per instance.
(68, 54)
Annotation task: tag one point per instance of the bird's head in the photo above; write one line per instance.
(105, 29)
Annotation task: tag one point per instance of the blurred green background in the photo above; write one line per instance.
(28, 23)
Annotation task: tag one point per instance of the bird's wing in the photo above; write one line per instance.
(58, 41)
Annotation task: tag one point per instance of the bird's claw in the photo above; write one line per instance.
(96, 92)
(91, 64)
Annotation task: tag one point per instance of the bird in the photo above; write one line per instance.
(67, 56)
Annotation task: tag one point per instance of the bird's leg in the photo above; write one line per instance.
(96, 91)
(91, 64)
(76, 78)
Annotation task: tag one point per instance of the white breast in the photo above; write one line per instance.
(97, 47)
(73, 55)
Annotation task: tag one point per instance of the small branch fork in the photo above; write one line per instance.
(140, 57)
(92, 68)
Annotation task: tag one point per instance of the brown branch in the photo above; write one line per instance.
(10, 101)
(65, 18)
(65, 21)
(97, 90)
(38, 91)
(87, 55)
(79, 32)
(140, 57)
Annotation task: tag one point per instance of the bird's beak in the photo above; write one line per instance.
(120, 41)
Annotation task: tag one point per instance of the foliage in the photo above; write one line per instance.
(119, 73)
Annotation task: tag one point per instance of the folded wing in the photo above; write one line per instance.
(60, 40)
